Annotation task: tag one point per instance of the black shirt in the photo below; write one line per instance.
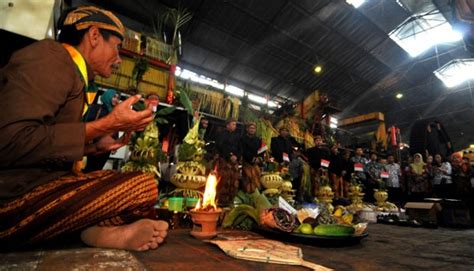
(250, 146)
(315, 154)
(282, 145)
(229, 143)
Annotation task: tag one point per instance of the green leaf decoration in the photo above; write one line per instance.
(186, 102)
(140, 106)
(161, 121)
(165, 111)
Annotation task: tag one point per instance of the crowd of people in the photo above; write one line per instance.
(407, 178)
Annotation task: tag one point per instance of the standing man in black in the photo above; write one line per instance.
(282, 146)
(315, 155)
(230, 151)
(251, 159)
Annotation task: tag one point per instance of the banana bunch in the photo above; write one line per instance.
(342, 215)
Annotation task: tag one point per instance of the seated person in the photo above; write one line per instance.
(44, 89)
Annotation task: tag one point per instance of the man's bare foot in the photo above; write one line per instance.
(141, 235)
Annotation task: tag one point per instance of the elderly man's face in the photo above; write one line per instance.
(105, 55)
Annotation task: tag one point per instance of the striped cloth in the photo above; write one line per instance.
(72, 203)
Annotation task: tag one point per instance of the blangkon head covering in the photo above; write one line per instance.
(87, 16)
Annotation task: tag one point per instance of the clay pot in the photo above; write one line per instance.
(204, 223)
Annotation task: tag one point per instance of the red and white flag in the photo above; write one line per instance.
(359, 167)
(325, 163)
(263, 148)
(384, 174)
(286, 158)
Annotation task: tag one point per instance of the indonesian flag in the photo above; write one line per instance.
(286, 158)
(263, 148)
(324, 163)
(384, 174)
(359, 167)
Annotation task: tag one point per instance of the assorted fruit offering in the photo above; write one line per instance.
(319, 220)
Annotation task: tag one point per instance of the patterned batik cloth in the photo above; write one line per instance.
(72, 203)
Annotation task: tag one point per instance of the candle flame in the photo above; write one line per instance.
(209, 198)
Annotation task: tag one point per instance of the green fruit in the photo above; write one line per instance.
(334, 230)
(306, 228)
(297, 230)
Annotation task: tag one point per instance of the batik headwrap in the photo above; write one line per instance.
(87, 16)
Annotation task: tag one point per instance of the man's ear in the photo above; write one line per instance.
(94, 36)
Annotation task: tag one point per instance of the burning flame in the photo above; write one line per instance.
(209, 199)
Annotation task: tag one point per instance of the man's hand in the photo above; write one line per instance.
(122, 118)
(109, 144)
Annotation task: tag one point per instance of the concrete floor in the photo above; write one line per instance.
(386, 248)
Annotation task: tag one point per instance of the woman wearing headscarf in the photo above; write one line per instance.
(109, 99)
(418, 179)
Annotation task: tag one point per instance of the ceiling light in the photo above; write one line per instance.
(456, 72)
(318, 69)
(420, 32)
(399, 95)
(234, 90)
(272, 104)
(257, 99)
(355, 3)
